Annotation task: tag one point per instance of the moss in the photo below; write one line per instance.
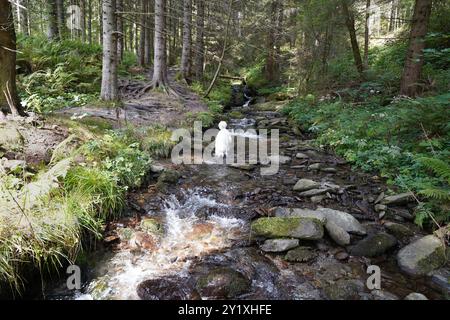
(223, 283)
(151, 225)
(236, 115)
(274, 227)
(433, 261)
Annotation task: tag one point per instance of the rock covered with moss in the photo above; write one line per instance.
(289, 227)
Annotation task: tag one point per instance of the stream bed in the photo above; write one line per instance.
(193, 239)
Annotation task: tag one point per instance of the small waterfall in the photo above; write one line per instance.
(186, 235)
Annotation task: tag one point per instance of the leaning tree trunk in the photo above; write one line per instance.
(350, 22)
(109, 91)
(9, 100)
(187, 40)
(414, 57)
(199, 58)
(52, 12)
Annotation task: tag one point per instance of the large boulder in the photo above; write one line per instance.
(279, 245)
(289, 227)
(422, 256)
(222, 283)
(374, 245)
(415, 296)
(302, 213)
(343, 220)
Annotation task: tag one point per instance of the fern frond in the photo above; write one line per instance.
(439, 167)
(436, 193)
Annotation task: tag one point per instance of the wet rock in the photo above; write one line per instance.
(279, 245)
(143, 240)
(151, 226)
(300, 155)
(125, 234)
(338, 234)
(374, 245)
(343, 220)
(383, 295)
(200, 231)
(301, 254)
(398, 230)
(440, 279)
(279, 159)
(398, 198)
(344, 290)
(305, 184)
(379, 198)
(422, 256)
(415, 296)
(295, 227)
(167, 178)
(222, 283)
(403, 214)
(313, 192)
(166, 289)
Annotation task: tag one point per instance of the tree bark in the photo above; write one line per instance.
(199, 58)
(366, 36)
(187, 41)
(22, 16)
(61, 18)
(120, 31)
(414, 57)
(271, 70)
(52, 12)
(9, 100)
(83, 20)
(350, 22)
(142, 34)
(148, 35)
(89, 25)
(109, 91)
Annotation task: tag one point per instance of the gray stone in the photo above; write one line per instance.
(380, 207)
(398, 198)
(343, 220)
(301, 254)
(302, 213)
(415, 296)
(305, 184)
(374, 245)
(441, 280)
(318, 199)
(156, 168)
(398, 230)
(422, 256)
(279, 159)
(222, 283)
(315, 166)
(300, 155)
(329, 170)
(339, 235)
(279, 245)
(291, 227)
(13, 165)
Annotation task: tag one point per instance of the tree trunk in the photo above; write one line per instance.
(120, 30)
(414, 57)
(142, 34)
(9, 100)
(350, 22)
(109, 91)
(83, 20)
(22, 16)
(148, 35)
(199, 41)
(187, 40)
(52, 12)
(89, 25)
(160, 64)
(61, 18)
(271, 69)
(366, 36)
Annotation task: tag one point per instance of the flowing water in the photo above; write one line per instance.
(205, 221)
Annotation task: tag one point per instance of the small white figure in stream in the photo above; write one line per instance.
(223, 140)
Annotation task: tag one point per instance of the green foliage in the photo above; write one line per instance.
(407, 141)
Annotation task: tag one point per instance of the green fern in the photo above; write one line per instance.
(439, 167)
(442, 194)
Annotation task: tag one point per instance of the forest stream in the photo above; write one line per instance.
(194, 240)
